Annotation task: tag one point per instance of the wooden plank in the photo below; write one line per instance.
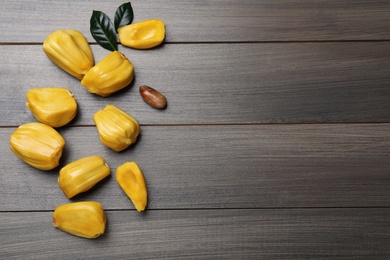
(206, 234)
(243, 166)
(225, 83)
(209, 21)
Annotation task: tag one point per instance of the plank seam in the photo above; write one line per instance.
(235, 124)
(215, 209)
(232, 42)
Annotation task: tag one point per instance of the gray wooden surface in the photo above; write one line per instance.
(207, 234)
(275, 143)
(210, 20)
(224, 83)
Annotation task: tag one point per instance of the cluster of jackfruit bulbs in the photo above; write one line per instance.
(70, 50)
(41, 146)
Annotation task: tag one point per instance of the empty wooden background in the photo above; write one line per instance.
(275, 143)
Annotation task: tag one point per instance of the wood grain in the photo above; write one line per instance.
(239, 165)
(209, 20)
(244, 166)
(207, 234)
(234, 83)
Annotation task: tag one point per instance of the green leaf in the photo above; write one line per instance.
(103, 31)
(123, 16)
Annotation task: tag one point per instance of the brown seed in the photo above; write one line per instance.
(153, 97)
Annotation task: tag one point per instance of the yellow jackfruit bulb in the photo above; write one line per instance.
(70, 50)
(117, 129)
(81, 175)
(130, 178)
(84, 219)
(38, 145)
(52, 106)
(142, 35)
(111, 74)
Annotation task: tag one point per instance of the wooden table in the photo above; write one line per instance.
(275, 143)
